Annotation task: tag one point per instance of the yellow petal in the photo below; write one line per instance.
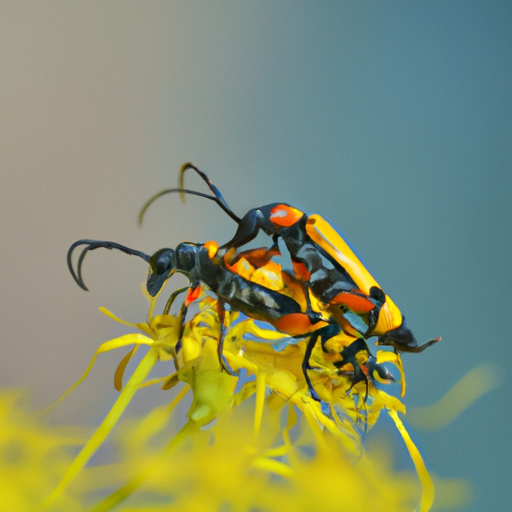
(171, 381)
(122, 341)
(476, 383)
(272, 466)
(260, 400)
(105, 311)
(427, 496)
(121, 367)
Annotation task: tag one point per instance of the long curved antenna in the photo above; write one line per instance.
(96, 244)
(217, 196)
(208, 181)
(152, 199)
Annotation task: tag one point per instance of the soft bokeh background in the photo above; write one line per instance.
(392, 119)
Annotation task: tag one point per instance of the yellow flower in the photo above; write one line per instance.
(33, 457)
(247, 454)
(223, 468)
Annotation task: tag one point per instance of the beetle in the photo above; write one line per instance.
(283, 302)
(322, 259)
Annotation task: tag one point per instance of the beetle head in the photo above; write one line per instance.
(403, 340)
(161, 264)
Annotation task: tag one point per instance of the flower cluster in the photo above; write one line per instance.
(272, 447)
(33, 456)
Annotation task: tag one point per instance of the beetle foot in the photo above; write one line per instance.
(349, 356)
(314, 394)
(377, 371)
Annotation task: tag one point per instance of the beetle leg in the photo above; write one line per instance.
(172, 298)
(220, 346)
(378, 371)
(248, 228)
(348, 355)
(192, 293)
(305, 364)
(179, 343)
(324, 333)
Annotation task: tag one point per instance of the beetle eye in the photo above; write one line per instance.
(161, 261)
(186, 256)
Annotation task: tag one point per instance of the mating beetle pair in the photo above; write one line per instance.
(349, 302)
(322, 259)
(283, 302)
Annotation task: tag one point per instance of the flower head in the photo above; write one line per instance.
(287, 441)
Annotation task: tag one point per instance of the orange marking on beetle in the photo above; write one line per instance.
(294, 289)
(269, 276)
(242, 268)
(212, 248)
(356, 303)
(229, 256)
(296, 324)
(257, 253)
(285, 216)
(271, 267)
(301, 272)
(260, 256)
(192, 295)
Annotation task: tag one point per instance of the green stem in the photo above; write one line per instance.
(107, 424)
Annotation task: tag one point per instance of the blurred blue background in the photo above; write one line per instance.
(392, 119)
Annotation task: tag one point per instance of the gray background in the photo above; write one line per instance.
(392, 119)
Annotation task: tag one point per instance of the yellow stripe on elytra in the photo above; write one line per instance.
(323, 234)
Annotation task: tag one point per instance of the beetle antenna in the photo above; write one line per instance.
(90, 246)
(217, 196)
(216, 192)
(152, 199)
(419, 348)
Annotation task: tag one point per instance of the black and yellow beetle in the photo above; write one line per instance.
(350, 305)
(323, 260)
(268, 294)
